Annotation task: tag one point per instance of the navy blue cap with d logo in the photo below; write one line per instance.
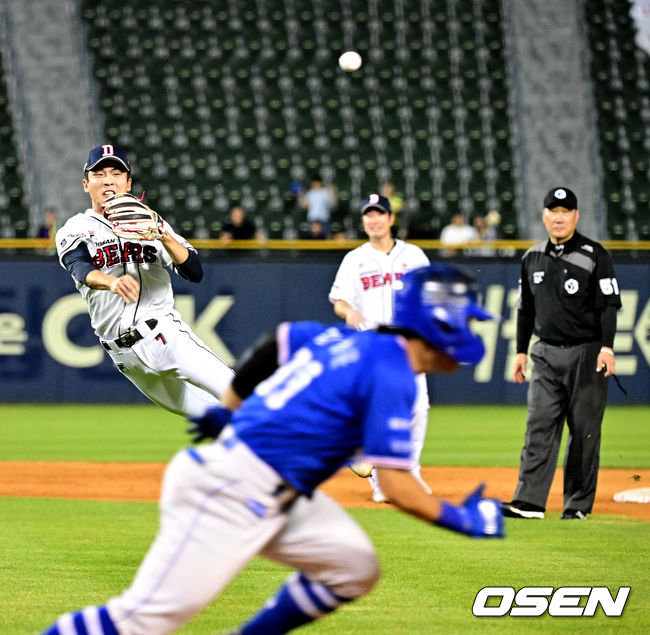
(378, 202)
(106, 152)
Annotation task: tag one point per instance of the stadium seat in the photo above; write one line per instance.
(224, 83)
(12, 192)
(619, 73)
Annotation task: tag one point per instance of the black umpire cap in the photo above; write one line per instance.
(107, 152)
(378, 202)
(561, 197)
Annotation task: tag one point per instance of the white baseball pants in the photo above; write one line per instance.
(173, 367)
(221, 506)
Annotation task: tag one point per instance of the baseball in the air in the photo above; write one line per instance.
(350, 61)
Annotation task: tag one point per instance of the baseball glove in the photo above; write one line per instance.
(131, 218)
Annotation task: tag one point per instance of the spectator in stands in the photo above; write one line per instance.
(484, 229)
(493, 219)
(456, 233)
(319, 201)
(238, 226)
(315, 231)
(49, 227)
(485, 232)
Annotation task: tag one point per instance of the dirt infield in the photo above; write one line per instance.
(141, 482)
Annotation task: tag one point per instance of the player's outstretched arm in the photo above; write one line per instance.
(477, 516)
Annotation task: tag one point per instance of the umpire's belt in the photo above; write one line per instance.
(129, 339)
(568, 343)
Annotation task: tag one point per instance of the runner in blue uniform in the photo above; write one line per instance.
(336, 396)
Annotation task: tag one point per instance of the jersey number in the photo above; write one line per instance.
(289, 380)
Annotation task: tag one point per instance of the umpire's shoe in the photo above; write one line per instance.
(520, 509)
(573, 514)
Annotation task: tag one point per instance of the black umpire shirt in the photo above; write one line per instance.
(568, 294)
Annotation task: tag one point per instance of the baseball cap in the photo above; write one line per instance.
(105, 153)
(376, 201)
(561, 197)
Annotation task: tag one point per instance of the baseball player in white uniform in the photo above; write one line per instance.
(337, 393)
(130, 298)
(362, 295)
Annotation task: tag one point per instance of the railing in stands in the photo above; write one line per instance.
(342, 245)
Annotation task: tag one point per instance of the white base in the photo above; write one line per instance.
(636, 495)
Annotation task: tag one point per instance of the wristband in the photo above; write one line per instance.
(607, 349)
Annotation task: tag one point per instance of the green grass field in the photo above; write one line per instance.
(58, 555)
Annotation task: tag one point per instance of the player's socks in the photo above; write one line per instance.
(298, 602)
(92, 619)
(377, 494)
(418, 477)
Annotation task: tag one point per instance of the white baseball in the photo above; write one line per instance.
(350, 61)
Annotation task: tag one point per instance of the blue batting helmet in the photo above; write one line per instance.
(436, 302)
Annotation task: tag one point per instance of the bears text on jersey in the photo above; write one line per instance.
(379, 280)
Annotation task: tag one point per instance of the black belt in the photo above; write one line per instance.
(285, 494)
(569, 343)
(129, 339)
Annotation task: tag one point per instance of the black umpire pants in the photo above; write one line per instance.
(564, 385)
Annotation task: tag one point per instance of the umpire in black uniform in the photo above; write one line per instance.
(569, 296)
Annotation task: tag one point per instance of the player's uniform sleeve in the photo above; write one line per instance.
(291, 336)
(525, 310)
(191, 269)
(387, 422)
(419, 258)
(608, 297)
(78, 262)
(344, 281)
(607, 291)
(71, 236)
(273, 349)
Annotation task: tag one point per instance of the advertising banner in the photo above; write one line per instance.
(48, 352)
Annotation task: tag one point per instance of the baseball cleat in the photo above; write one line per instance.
(378, 497)
(362, 469)
(518, 509)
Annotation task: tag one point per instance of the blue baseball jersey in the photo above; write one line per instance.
(291, 336)
(342, 395)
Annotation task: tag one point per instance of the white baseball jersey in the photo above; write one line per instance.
(169, 364)
(366, 275)
(365, 281)
(145, 260)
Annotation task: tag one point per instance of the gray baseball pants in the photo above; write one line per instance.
(564, 385)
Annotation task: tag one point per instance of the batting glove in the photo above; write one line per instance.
(210, 424)
(477, 516)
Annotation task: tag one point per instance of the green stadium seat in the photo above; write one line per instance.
(221, 79)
